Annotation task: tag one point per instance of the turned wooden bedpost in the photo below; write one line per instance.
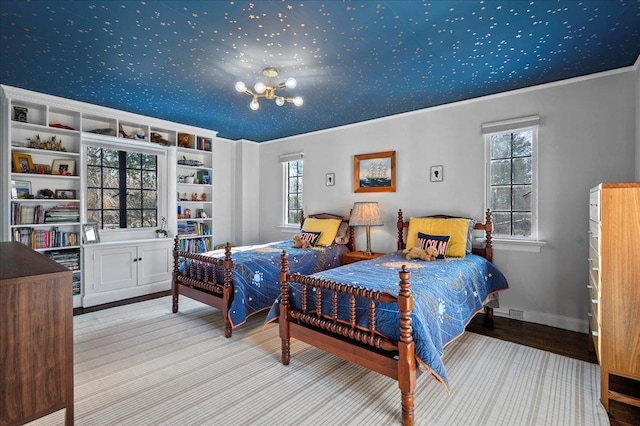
(406, 349)
(227, 289)
(284, 309)
(174, 283)
(489, 238)
(400, 225)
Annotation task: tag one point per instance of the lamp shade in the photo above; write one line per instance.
(365, 213)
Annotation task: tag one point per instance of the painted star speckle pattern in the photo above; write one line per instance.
(353, 61)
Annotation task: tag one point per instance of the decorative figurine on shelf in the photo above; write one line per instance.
(163, 232)
(187, 214)
(194, 197)
(203, 197)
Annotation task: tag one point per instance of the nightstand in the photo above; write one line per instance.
(356, 256)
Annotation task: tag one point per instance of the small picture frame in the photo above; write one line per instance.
(20, 189)
(90, 233)
(66, 194)
(42, 169)
(436, 174)
(63, 167)
(20, 114)
(22, 163)
(331, 179)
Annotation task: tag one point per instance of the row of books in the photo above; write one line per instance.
(196, 245)
(193, 228)
(23, 214)
(41, 238)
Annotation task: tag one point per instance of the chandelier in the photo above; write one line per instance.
(268, 91)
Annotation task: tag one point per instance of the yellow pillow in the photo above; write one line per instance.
(328, 227)
(457, 229)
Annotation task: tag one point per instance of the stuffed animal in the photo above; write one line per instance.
(428, 254)
(300, 243)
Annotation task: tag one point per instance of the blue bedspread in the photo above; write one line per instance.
(256, 270)
(447, 293)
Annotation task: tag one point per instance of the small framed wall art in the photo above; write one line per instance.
(436, 173)
(331, 179)
(374, 172)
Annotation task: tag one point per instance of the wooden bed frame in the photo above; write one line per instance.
(201, 281)
(354, 343)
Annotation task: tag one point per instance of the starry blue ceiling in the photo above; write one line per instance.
(353, 60)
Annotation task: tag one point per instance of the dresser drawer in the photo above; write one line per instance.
(594, 205)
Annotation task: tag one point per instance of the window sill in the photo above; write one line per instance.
(531, 246)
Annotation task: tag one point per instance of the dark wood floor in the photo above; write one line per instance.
(574, 345)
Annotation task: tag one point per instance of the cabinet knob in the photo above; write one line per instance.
(135, 260)
(139, 258)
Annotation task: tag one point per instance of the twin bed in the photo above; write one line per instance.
(242, 281)
(388, 314)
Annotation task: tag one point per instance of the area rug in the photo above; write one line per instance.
(140, 364)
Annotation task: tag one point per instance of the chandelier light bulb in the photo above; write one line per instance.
(279, 101)
(291, 83)
(254, 105)
(297, 101)
(260, 87)
(240, 87)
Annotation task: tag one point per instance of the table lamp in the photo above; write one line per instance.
(366, 214)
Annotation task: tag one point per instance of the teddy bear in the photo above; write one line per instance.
(428, 254)
(300, 243)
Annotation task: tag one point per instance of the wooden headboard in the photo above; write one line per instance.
(352, 240)
(486, 251)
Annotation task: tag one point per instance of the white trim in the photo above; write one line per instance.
(511, 124)
(289, 229)
(294, 156)
(532, 246)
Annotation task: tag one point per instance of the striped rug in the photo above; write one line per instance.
(142, 365)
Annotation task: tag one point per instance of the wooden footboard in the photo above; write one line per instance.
(343, 337)
(198, 280)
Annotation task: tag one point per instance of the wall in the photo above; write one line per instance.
(586, 136)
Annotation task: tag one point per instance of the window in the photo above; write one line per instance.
(511, 177)
(293, 171)
(122, 188)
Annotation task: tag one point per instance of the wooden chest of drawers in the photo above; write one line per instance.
(36, 336)
(614, 286)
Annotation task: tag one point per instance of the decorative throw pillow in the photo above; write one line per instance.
(458, 229)
(311, 237)
(439, 242)
(328, 228)
(341, 236)
(472, 224)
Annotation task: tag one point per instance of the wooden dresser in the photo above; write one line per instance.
(36, 336)
(614, 289)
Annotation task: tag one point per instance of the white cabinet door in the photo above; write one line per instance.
(115, 268)
(155, 264)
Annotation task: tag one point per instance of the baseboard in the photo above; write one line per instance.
(558, 321)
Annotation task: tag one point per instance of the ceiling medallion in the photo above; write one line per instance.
(268, 91)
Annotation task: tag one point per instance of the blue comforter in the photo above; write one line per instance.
(256, 269)
(447, 293)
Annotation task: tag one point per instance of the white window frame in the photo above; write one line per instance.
(285, 159)
(514, 242)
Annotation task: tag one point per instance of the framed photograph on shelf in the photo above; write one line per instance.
(20, 189)
(374, 172)
(22, 163)
(63, 167)
(20, 114)
(90, 234)
(67, 194)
